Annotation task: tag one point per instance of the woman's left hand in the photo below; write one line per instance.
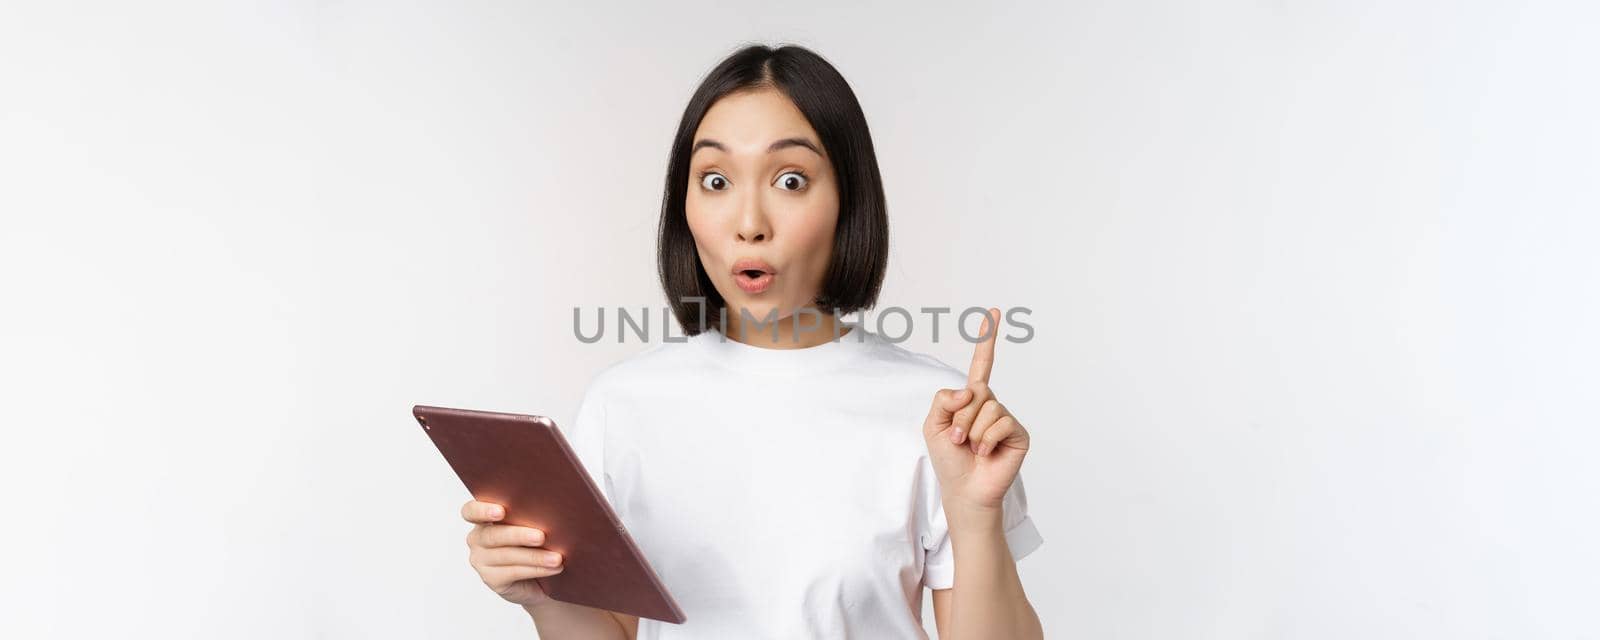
(975, 444)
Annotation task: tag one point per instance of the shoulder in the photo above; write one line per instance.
(649, 366)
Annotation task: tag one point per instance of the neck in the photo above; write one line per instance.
(814, 329)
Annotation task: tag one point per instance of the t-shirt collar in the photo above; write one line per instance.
(831, 355)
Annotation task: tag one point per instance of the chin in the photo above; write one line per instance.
(758, 310)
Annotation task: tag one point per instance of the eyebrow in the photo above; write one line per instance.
(776, 146)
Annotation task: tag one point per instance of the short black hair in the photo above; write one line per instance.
(861, 237)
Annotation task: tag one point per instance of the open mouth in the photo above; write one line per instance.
(753, 281)
(753, 276)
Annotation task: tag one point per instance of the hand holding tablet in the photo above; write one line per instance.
(557, 529)
(507, 556)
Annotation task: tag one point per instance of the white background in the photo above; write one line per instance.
(1314, 290)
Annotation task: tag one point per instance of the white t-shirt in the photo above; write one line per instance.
(780, 493)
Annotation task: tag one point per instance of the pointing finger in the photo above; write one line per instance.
(983, 353)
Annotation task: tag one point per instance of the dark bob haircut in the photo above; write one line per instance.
(861, 237)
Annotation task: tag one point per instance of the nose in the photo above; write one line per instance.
(753, 223)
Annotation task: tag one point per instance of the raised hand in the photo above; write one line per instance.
(975, 444)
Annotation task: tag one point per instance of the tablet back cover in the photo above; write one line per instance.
(524, 463)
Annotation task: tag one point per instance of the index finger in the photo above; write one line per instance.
(983, 352)
(478, 512)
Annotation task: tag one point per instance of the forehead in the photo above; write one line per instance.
(747, 121)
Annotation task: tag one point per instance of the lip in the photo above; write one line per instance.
(759, 282)
(745, 264)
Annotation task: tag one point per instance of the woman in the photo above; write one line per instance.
(771, 472)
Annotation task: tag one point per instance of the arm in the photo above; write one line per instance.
(987, 600)
(976, 447)
(556, 620)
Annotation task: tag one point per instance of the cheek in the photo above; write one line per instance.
(816, 233)
(701, 219)
(811, 229)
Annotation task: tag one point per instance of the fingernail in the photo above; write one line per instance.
(956, 436)
(497, 512)
(984, 450)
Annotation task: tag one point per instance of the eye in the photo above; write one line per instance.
(792, 181)
(713, 181)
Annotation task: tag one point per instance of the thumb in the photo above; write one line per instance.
(945, 405)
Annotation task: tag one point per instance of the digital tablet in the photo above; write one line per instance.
(523, 463)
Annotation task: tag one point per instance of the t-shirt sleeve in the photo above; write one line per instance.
(586, 434)
(939, 566)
